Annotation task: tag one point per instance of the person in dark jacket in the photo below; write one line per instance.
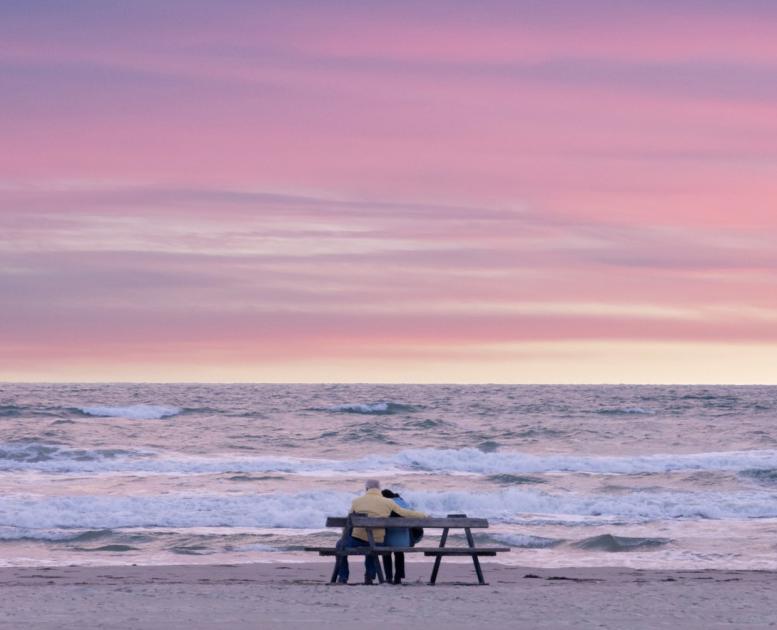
(396, 537)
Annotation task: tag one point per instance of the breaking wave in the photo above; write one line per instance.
(308, 510)
(611, 543)
(627, 411)
(35, 455)
(507, 479)
(378, 408)
(132, 412)
(526, 541)
(109, 548)
(8, 533)
(473, 460)
(56, 458)
(762, 475)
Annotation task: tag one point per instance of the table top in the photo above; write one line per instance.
(391, 522)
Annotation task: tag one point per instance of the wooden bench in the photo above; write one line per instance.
(452, 521)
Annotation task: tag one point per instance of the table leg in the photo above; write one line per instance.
(475, 559)
(438, 559)
(336, 570)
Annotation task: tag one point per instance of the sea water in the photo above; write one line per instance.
(641, 476)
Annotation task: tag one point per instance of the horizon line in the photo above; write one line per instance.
(461, 383)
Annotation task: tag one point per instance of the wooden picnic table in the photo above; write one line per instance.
(452, 521)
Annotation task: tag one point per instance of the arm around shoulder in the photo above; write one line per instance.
(408, 513)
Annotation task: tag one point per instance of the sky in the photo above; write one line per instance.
(506, 192)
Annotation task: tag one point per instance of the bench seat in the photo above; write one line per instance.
(429, 551)
(389, 523)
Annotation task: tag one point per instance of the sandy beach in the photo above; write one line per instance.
(298, 596)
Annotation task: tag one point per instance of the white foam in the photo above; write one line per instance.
(308, 510)
(425, 460)
(473, 460)
(518, 505)
(628, 410)
(255, 547)
(524, 541)
(363, 408)
(133, 412)
(304, 510)
(52, 457)
(9, 533)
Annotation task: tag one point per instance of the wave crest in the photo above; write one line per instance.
(626, 411)
(56, 458)
(28, 454)
(612, 543)
(376, 409)
(763, 475)
(132, 412)
(308, 510)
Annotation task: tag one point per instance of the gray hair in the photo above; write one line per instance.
(371, 483)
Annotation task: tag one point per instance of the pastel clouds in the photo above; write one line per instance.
(449, 192)
(285, 279)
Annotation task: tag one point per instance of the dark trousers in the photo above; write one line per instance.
(370, 562)
(389, 569)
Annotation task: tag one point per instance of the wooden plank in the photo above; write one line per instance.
(459, 552)
(439, 523)
(427, 550)
(464, 550)
(340, 521)
(447, 551)
(475, 560)
(438, 559)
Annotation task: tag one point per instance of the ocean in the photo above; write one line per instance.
(680, 477)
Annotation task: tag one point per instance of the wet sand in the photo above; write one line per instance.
(298, 596)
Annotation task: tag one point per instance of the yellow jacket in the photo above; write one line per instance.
(374, 504)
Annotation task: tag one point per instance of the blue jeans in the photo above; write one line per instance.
(370, 562)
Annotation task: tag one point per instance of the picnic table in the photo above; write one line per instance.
(452, 521)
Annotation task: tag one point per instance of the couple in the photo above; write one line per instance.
(378, 505)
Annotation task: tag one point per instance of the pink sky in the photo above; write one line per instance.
(470, 192)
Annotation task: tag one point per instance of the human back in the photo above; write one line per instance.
(375, 505)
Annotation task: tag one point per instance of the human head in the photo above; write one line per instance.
(389, 494)
(372, 483)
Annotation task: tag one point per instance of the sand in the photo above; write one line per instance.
(298, 596)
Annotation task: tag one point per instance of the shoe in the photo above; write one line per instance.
(397, 580)
(369, 580)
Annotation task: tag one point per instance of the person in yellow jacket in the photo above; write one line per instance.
(374, 504)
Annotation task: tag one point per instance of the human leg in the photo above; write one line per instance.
(399, 566)
(347, 542)
(388, 568)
